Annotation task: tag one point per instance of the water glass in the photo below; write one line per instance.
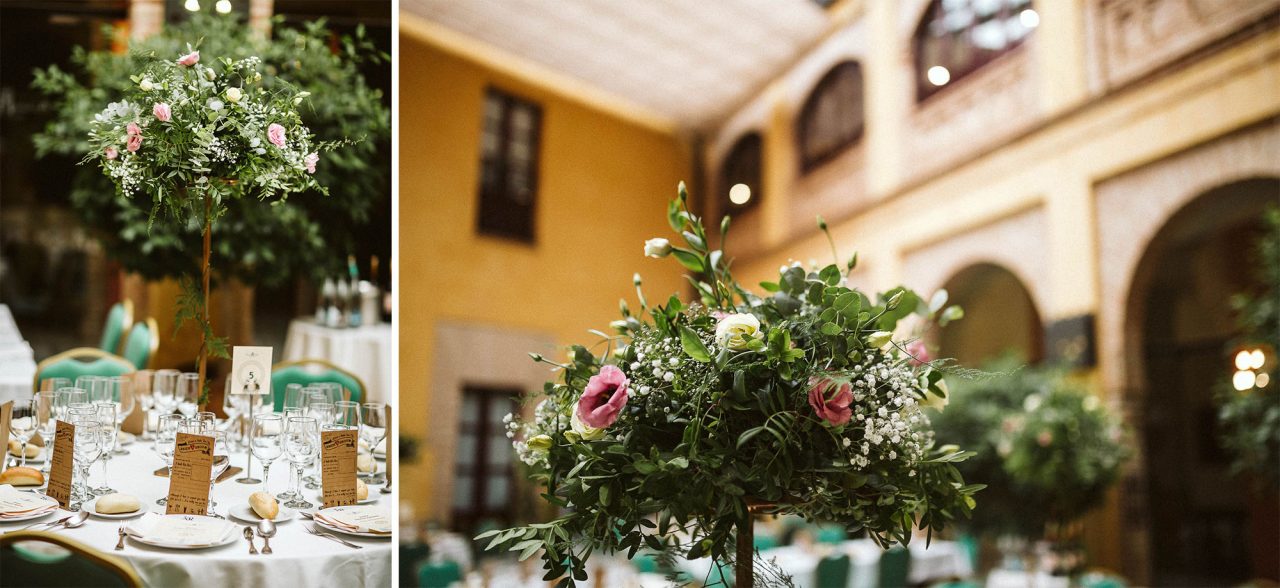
(188, 394)
(301, 445)
(267, 435)
(166, 438)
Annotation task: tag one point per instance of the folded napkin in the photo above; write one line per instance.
(357, 518)
(184, 530)
(15, 503)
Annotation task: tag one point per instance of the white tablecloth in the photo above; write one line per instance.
(363, 351)
(299, 559)
(1016, 579)
(941, 560)
(17, 360)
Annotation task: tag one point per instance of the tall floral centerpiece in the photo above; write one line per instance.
(671, 431)
(194, 134)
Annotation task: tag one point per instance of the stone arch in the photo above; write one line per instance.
(1000, 317)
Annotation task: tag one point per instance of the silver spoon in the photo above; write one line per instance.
(248, 536)
(77, 520)
(267, 530)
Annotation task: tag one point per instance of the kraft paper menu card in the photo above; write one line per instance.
(250, 370)
(338, 467)
(6, 415)
(189, 480)
(64, 438)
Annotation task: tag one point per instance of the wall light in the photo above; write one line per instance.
(1244, 380)
(938, 75)
(1244, 360)
(1029, 18)
(740, 194)
(192, 5)
(223, 6)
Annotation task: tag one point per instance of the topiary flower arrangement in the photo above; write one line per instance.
(669, 433)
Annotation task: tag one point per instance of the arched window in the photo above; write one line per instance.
(957, 37)
(831, 118)
(742, 166)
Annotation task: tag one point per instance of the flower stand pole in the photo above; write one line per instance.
(744, 570)
(203, 357)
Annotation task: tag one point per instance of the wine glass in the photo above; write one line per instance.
(373, 429)
(188, 394)
(209, 419)
(64, 398)
(123, 393)
(44, 418)
(346, 414)
(292, 396)
(53, 384)
(90, 386)
(143, 385)
(166, 438)
(165, 388)
(231, 406)
(24, 423)
(268, 431)
(105, 414)
(301, 445)
(87, 446)
(333, 390)
(221, 461)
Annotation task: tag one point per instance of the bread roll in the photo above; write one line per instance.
(264, 505)
(117, 504)
(365, 463)
(362, 490)
(15, 448)
(21, 476)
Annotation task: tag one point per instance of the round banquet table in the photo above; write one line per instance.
(299, 558)
(364, 351)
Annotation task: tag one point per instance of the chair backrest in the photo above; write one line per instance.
(831, 534)
(81, 361)
(833, 571)
(439, 574)
(764, 542)
(895, 564)
(34, 558)
(312, 371)
(141, 343)
(119, 319)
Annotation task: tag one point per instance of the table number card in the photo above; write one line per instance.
(189, 480)
(250, 370)
(64, 438)
(6, 415)
(338, 467)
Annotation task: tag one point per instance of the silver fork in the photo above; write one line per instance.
(313, 531)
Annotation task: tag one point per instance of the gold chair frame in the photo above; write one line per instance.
(77, 353)
(114, 564)
(346, 394)
(154, 327)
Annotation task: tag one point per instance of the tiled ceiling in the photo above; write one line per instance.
(691, 61)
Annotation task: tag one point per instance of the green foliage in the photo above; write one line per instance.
(721, 414)
(269, 244)
(1250, 419)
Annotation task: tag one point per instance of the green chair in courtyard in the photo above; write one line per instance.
(313, 371)
(40, 559)
(119, 319)
(439, 574)
(895, 565)
(141, 343)
(81, 361)
(833, 571)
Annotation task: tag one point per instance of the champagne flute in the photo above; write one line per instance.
(123, 393)
(221, 461)
(268, 431)
(24, 423)
(373, 429)
(166, 438)
(105, 412)
(188, 394)
(87, 446)
(143, 384)
(301, 444)
(44, 417)
(289, 414)
(323, 413)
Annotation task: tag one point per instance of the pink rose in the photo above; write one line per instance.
(275, 134)
(134, 142)
(189, 59)
(111, 152)
(918, 352)
(310, 161)
(162, 112)
(1044, 438)
(132, 129)
(831, 399)
(604, 398)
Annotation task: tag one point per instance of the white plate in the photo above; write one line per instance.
(30, 460)
(92, 507)
(28, 517)
(245, 513)
(323, 525)
(231, 536)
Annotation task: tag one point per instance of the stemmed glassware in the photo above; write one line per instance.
(292, 396)
(166, 439)
(301, 445)
(45, 421)
(24, 424)
(64, 398)
(323, 413)
(221, 461)
(165, 390)
(289, 414)
(105, 414)
(87, 447)
(267, 436)
(373, 429)
(143, 383)
(53, 384)
(123, 395)
(188, 394)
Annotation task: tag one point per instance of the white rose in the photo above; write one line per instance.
(146, 85)
(657, 247)
(737, 331)
(582, 430)
(933, 400)
(233, 95)
(879, 339)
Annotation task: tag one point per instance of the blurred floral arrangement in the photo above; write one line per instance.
(670, 431)
(1249, 418)
(273, 244)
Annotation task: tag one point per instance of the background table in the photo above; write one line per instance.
(17, 360)
(300, 559)
(363, 351)
(939, 561)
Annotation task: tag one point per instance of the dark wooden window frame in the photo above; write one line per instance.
(827, 83)
(479, 470)
(744, 164)
(498, 200)
(926, 89)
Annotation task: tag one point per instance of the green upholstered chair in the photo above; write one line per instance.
(81, 361)
(645, 562)
(831, 534)
(833, 571)
(39, 559)
(141, 343)
(895, 565)
(312, 371)
(439, 574)
(764, 542)
(119, 319)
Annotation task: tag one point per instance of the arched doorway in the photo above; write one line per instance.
(1000, 317)
(1179, 320)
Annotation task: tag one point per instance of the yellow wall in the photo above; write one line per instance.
(603, 185)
